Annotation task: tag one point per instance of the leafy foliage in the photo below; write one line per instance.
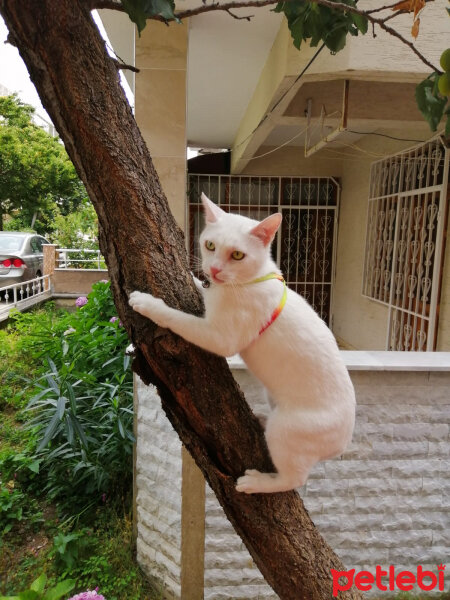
(140, 10)
(37, 177)
(81, 412)
(77, 229)
(432, 95)
(430, 102)
(37, 590)
(310, 21)
(94, 548)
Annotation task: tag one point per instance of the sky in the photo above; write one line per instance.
(14, 75)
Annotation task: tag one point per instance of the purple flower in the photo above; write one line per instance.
(81, 301)
(88, 595)
(114, 319)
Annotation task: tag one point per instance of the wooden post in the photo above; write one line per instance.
(192, 529)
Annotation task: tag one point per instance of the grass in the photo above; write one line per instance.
(95, 548)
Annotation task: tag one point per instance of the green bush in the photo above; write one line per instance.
(81, 413)
(38, 591)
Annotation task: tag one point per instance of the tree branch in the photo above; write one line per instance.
(123, 66)
(380, 23)
(230, 6)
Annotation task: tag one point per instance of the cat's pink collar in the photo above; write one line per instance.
(279, 308)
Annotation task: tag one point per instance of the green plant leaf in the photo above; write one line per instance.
(35, 466)
(38, 584)
(140, 10)
(429, 102)
(60, 590)
(29, 595)
(49, 432)
(447, 124)
(335, 40)
(361, 22)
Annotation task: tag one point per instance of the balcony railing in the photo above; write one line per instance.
(23, 294)
(79, 258)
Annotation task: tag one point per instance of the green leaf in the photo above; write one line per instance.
(60, 590)
(361, 22)
(29, 595)
(140, 10)
(35, 465)
(38, 584)
(335, 40)
(49, 432)
(61, 407)
(135, 11)
(430, 104)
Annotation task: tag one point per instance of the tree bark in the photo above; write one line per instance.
(144, 249)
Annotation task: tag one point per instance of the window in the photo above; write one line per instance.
(305, 246)
(405, 242)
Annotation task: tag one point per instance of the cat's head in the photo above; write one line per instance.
(234, 248)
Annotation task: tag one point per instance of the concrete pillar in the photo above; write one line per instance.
(160, 110)
(160, 105)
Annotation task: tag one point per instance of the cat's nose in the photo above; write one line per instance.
(215, 271)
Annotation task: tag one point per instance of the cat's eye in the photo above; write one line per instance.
(210, 245)
(237, 255)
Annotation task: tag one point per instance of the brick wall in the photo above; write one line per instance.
(158, 493)
(385, 502)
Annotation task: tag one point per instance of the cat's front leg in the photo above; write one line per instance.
(192, 328)
(150, 307)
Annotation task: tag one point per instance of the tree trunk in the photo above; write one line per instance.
(144, 249)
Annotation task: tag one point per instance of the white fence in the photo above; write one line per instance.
(24, 294)
(79, 258)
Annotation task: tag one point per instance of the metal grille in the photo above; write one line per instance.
(304, 248)
(405, 242)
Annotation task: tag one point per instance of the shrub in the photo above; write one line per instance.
(37, 590)
(82, 411)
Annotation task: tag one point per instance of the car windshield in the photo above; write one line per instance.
(10, 243)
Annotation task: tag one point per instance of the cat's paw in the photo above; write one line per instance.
(250, 482)
(149, 306)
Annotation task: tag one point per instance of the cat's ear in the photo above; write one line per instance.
(267, 229)
(212, 212)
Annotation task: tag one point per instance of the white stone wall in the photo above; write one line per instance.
(385, 502)
(158, 492)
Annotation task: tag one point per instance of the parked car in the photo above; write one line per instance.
(21, 257)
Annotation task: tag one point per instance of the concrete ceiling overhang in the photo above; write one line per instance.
(225, 60)
(248, 89)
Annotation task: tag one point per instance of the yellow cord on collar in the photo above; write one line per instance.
(279, 308)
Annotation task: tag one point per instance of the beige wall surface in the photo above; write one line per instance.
(384, 56)
(160, 99)
(358, 323)
(443, 339)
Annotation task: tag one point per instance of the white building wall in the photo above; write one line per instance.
(158, 492)
(385, 502)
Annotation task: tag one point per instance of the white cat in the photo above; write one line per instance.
(250, 311)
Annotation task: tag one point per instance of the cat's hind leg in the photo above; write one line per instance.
(255, 482)
(292, 461)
